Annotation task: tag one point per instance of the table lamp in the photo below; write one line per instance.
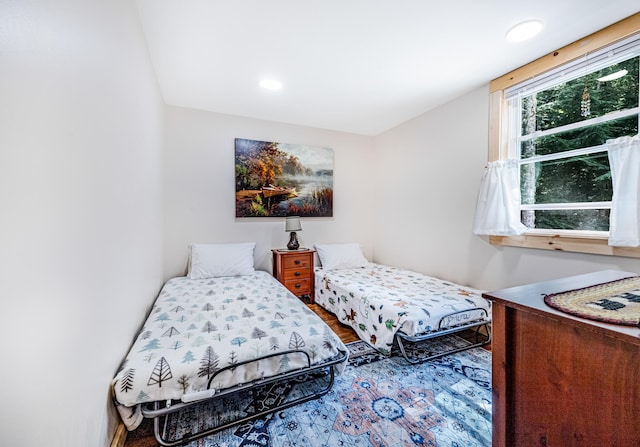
(291, 225)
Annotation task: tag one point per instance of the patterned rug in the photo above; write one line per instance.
(616, 302)
(377, 401)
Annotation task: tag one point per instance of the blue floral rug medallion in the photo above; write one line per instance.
(376, 402)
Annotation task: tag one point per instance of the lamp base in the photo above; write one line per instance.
(293, 242)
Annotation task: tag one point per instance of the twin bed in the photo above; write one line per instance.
(391, 308)
(226, 329)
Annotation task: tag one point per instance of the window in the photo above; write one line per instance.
(554, 116)
(559, 127)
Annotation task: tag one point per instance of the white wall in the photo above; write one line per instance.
(430, 169)
(199, 187)
(81, 125)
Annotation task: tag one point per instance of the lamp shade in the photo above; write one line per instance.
(292, 224)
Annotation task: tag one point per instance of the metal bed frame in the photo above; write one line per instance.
(442, 331)
(161, 411)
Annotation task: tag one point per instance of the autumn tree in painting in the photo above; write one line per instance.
(260, 163)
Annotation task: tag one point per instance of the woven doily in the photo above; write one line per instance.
(616, 302)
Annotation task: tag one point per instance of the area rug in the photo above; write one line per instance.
(616, 302)
(377, 401)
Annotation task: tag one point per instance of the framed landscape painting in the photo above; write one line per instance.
(279, 179)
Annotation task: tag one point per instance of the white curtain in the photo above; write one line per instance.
(498, 207)
(624, 160)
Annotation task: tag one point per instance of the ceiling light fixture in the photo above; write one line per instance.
(617, 75)
(271, 84)
(524, 31)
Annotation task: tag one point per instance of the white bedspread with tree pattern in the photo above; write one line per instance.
(198, 326)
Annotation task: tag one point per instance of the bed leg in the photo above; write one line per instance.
(474, 342)
(404, 353)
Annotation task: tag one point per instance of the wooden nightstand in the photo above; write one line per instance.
(294, 269)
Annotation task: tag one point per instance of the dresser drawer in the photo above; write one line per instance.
(296, 261)
(294, 274)
(299, 287)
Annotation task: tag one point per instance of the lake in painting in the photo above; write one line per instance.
(280, 179)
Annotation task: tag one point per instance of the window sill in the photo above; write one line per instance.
(597, 245)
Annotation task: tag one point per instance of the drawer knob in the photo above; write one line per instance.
(297, 286)
(297, 273)
(297, 261)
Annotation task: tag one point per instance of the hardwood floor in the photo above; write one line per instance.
(143, 435)
(346, 334)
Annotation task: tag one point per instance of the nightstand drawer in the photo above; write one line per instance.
(299, 287)
(297, 261)
(294, 274)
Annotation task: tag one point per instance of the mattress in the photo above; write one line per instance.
(377, 301)
(196, 327)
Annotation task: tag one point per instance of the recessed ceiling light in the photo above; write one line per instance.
(612, 76)
(271, 84)
(523, 31)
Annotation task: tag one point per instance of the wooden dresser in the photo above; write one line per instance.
(559, 380)
(294, 269)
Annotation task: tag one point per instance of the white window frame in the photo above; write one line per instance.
(573, 241)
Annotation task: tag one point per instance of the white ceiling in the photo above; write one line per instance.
(358, 66)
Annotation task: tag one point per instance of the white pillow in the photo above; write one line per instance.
(213, 260)
(341, 256)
